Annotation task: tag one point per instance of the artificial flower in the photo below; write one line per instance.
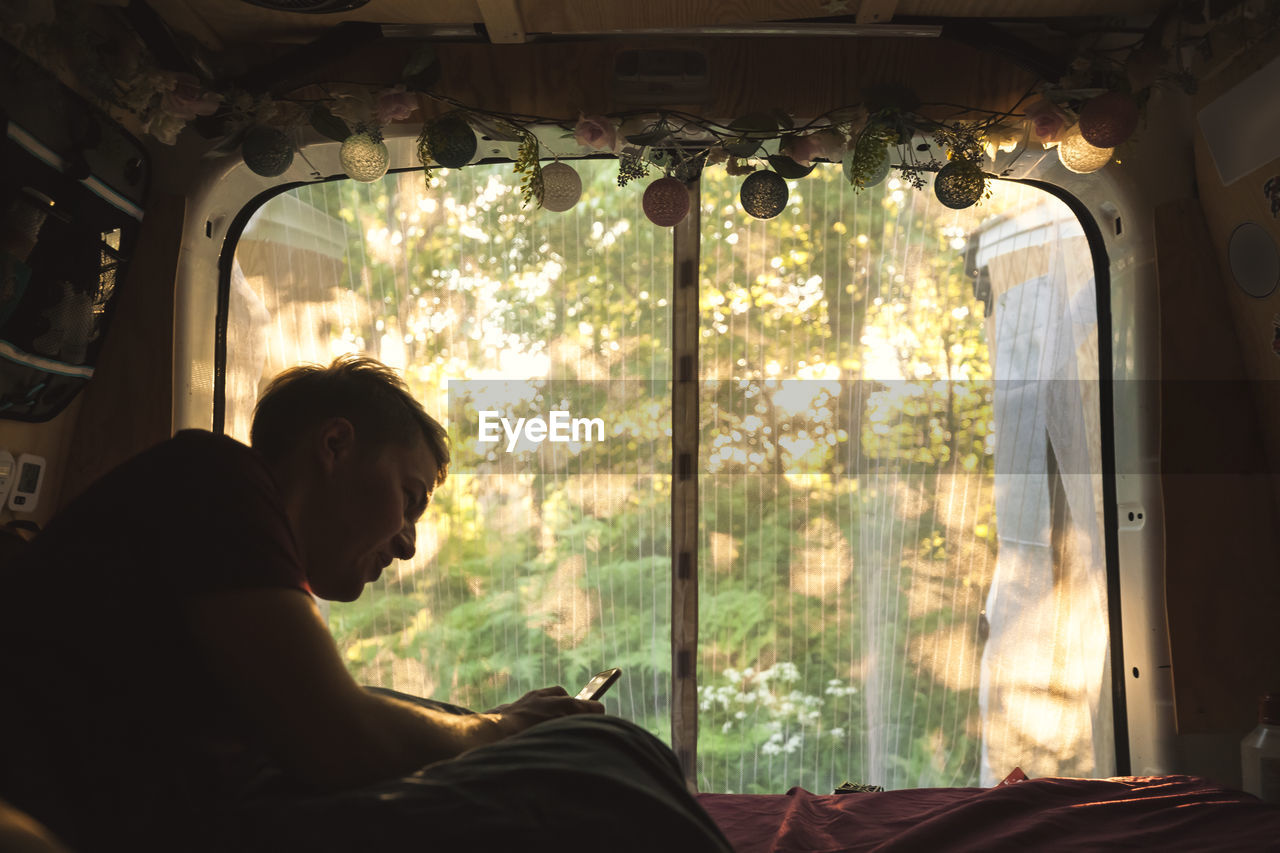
(352, 104)
(395, 105)
(188, 99)
(717, 155)
(825, 144)
(1048, 122)
(138, 92)
(164, 126)
(1002, 137)
(596, 132)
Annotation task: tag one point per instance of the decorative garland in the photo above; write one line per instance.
(1095, 108)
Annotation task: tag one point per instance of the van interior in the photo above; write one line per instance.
(883, 385)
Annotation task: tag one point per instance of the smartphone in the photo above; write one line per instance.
(598, 684)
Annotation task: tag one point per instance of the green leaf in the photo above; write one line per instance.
(422, 71)
(328, 124)
(788, 168)
(498, 130)
(228, 144)
(652, 137)
(742, 147)
(422, 58)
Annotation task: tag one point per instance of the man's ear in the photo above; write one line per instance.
(335, 440)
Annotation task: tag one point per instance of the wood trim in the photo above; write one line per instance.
(684, 489)
(128, 406)
(1221, 588)
(876, 11)
(503, 21)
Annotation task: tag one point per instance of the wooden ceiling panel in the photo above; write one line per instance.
(231, 23)
(805, 77)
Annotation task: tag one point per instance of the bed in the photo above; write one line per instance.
(1164, 813)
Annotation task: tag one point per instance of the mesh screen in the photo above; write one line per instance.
(900, 562)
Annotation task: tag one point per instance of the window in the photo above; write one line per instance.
(899, 563)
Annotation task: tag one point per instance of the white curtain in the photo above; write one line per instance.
(1045, 669)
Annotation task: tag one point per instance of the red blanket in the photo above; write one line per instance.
(1159, 813)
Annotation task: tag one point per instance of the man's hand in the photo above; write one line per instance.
(538, 706)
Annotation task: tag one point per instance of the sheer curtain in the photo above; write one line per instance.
(540, 562)
(902, 570)
(900, 553)
(1045, 675)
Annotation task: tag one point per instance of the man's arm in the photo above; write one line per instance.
(275, 659)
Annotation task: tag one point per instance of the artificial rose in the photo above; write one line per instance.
(188, 99)
(395, 105)
(352, 104)
(1002, 137)
(1048, 122)
(139, 92)
(825, 144)
(165, 127)
(596, 132)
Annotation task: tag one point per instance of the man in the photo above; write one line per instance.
(176, 687)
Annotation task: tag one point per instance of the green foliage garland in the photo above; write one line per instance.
(528, 164)
(95, 46)
(424, 153)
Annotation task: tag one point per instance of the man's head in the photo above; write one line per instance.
(363, 390)
(357, 458)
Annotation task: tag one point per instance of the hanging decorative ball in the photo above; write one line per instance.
(453, 142)
(267, 151)
(364, 156)
(960, 184)
(1108, 120)
(764, 194)
(1079, 156)
(666, 202)
(877, 175)
(561, 187)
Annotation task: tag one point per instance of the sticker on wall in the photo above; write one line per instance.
(1271, 192)
(1255, 262)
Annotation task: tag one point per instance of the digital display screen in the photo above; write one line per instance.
(28, 477)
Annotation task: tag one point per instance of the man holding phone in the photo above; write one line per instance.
(599, 683)
(198, 561)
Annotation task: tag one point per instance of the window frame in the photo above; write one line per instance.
(1120, 584)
